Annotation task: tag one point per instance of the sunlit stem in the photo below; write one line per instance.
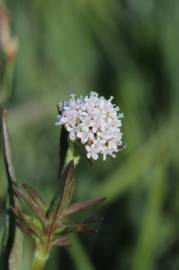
(72, 154)
(40, 257)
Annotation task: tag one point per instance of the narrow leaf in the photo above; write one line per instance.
(63, 198)
(150, 232)
(62, 241)
(65, 229)
(26, 222)
(35, 196)
(80, 206)
(86, 225)
(23, 228)
(68, 178)
(38, 211)
(79, 226)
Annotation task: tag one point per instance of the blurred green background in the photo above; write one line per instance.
(124, 48)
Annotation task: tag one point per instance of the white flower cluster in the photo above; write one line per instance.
(95, 122)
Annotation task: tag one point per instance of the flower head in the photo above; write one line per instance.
(95, 122)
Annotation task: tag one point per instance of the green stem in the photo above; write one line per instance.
(40, 257)
(72, 153)
(42, 251)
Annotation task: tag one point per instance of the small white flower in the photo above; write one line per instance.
(95, 122)
(92, 151)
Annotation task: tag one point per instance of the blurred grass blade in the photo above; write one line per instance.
(15, 259)
(79, 255)
(131, 171)
(149, 239)
(14, 246)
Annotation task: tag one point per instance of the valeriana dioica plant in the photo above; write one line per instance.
(91, 121)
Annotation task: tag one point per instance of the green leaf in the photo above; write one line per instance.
(150, 233)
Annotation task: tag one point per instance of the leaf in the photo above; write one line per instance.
(23, 228)
(63, 198)
(64, 229)
(37, 210)
(62, 241)
(68, 178)
(35, 197)
(80, 206)
(78, 226)
(26, 223)
(85, 225)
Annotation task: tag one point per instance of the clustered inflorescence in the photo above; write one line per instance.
(95, 122)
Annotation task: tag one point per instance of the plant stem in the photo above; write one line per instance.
(72, 153)
(40, 257)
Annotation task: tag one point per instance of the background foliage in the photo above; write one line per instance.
(128, 49)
